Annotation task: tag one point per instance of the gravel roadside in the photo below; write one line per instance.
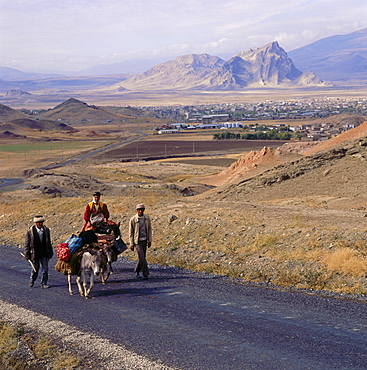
(101, 351)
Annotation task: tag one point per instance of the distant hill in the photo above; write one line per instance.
(9, 114)
(11, 74)
(343, 119)
(335, 58)
(17, 94)
(13, 121)
(10, 135)
(76, 112)
(268, 66)
(61, 84)
(26, 124)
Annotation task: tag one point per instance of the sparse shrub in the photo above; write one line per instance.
(258, 275)
(361, 247)
(9, 336)
(44, 348)
(268, 241)
(8, 339)
(287, 278)
(45, 352)
(64, 361)
(314, 279)
(346, 261)
(314, 242)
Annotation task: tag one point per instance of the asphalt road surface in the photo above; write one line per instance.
(193, 321)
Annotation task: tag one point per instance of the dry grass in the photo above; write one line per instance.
(21, 349)
(346, 261)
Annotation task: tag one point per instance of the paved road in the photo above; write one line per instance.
(197, 321)
(8, 183)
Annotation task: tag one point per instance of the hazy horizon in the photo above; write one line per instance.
(54, 37)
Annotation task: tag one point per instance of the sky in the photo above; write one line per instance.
(72, 35)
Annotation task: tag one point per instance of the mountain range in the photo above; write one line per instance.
(268, 66)
(340, 58)
(335, 58)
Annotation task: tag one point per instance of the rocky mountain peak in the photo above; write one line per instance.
(271, 48)
(268, 66)
(16, 93)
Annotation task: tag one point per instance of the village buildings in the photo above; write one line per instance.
(250, 116)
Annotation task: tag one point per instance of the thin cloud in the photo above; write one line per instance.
(72, 35)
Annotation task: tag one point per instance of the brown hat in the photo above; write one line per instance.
(38, 219)
(140, 206)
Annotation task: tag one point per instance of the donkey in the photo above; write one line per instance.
(111, 256)
(90, 265)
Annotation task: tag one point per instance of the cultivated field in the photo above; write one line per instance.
(20, 154)
(155, 149)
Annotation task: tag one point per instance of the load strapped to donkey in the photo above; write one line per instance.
(104, 238)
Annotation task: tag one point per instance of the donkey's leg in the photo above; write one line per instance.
(103, 278)
(104, 274)
(110, 269)
(69, 283)
(91, 284)
(80, 285)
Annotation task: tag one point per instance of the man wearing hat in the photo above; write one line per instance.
(140, 235)
(95, 211)
(38, 250)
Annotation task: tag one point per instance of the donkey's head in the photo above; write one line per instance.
(93, 261)
(107, 249)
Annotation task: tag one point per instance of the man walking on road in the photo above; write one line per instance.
(38, 250)
(140, 235)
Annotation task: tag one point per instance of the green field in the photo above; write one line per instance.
(25, 154)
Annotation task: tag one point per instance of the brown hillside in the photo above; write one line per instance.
(342, 119)
(256, 162)
(76, 112)
(26, 124)
(8, 114)
(331, 175)
(355, 133)
(10, 135)
(250, 165)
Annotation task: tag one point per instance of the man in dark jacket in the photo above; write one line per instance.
(38, 250)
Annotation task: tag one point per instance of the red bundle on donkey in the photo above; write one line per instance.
(88, 260)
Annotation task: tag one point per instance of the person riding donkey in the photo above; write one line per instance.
(96, 217)
(96, 212)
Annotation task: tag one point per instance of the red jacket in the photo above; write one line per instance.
(90, 210)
